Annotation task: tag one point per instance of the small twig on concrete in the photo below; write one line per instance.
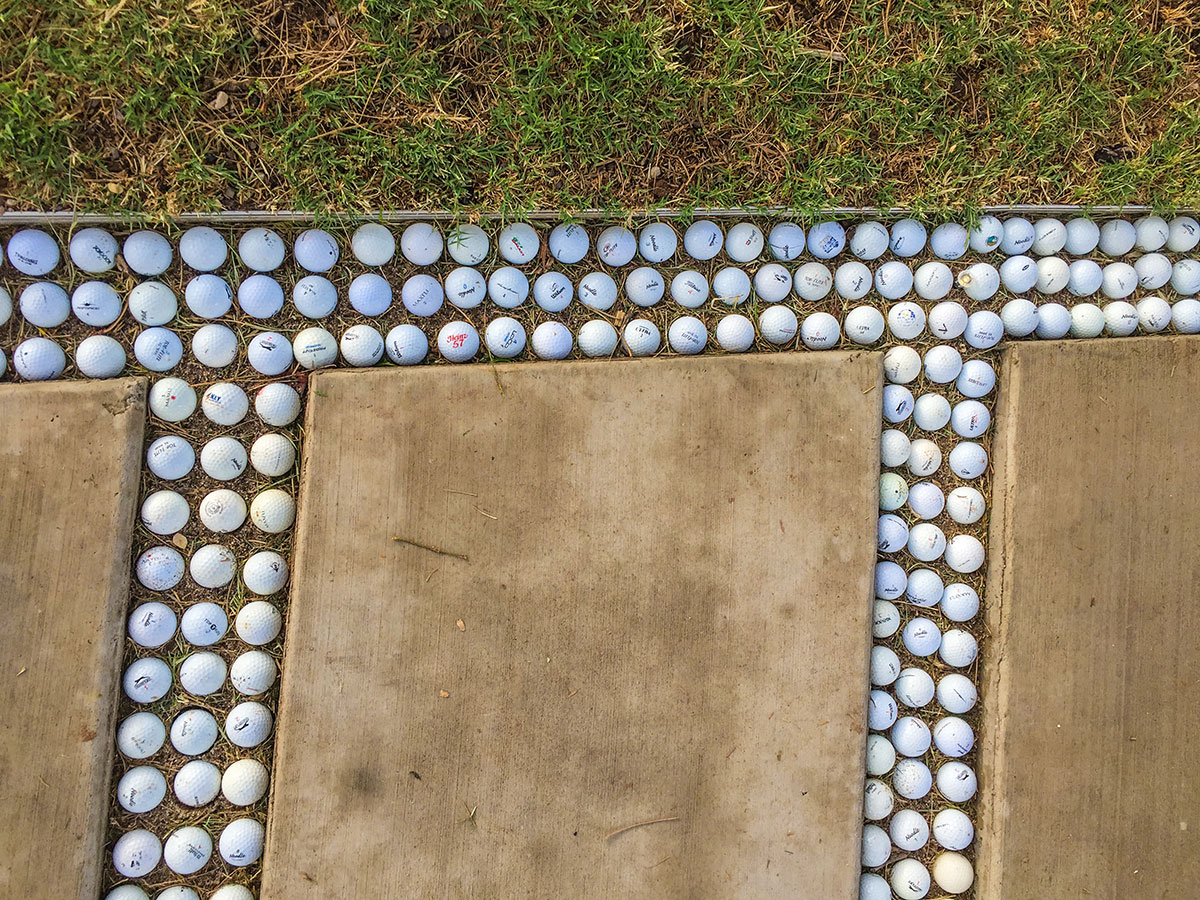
(437, 550)
(611, 835)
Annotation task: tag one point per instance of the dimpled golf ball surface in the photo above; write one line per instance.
(187, 850)
(406, 345)
(136, 853)
(277, 404)
(158, 349)
(258, 622)
(39, 359)
(519, 243)
(93, 250)
(203, 624)
(505, 337)
(735, 333)
(193, 732)
(778, 325)
(93, 303)
(245, 782)
(265, 573)
(141, 789)
(45, 305)
(568, 243)
(248, 724)
(642, 338)
(213, 566)
(140, 735)
(152, 624)
(597, 338)
(215, 346)
(241, 842)
(361, 346)
(202, 673)
(687, 335)
(272, 454)
(146, 680)
(552, 340)
(252, 673)
(99, 356)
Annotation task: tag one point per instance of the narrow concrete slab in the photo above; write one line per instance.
(1091, 733)
(70, 454)
(627, 592)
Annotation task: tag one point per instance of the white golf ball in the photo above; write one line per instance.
(253, 673)
(222, 511)
(931, 412)
(1084, 277)
(1087, 320)
(553, 292)
(568, 243)
(140, 735)
(406, 345)
(641, 338)
(519, 243)
(203, 249)
(979, 281)
(187, 850)
(881, 710)
(1019, 274)
(241, 842)
(925, 587)
(225, 403)
(147, 253)
(504, 337)
(260, 296)
(960, 603)
(885, 666)
(258, 622)
(987, 235)
(644, 286)
(890, 580)
(690, 289)
(1054, 321)
(93, 250)
(44, 304)
(170, 457)
(314, 296)
(202, 673)
(906, 321)
(864, 325)
(146, 680)
(1019, 317)
(165, 512)
(508, 287)
(657, 242)
(33, 252)
(99, 356)
(812, 281)
(94, 303)
(373, 244)
(921, 637)
(152, 624)
(976, 379)
(273, 511)
(886, 620)
(597, 290)
(1117, 237)
(911, 779)
(893, 280)
(731, 286)
(179, 892)
(786, 241)
(956, 781)
(232, 892)
(269, 353)
(933, 281)
(422, 295)
(248, 724)
(956, 694)
(361, 346)
(421, 244)
(897, 403)
(910, 736)
(959, 648)
(1049, 237)
(273, 455)
(942, 364)
(1018, 236)
(852, 280)
(772, 283)
(870, 240)
(878, 801)
(38, 359)
(952, 828)
(985, 329)
(926, 542)
(964, 553)
(213, 566)
(914, 688)
(1183, 233)
(893, 493)
(895, 447)
(1154, 314)
(881, 755)
(1153, 271)
(216, 346)
(1185, 277)
(1054, 275)
(908, 238)
(141, 789)
(314, 348)
(194, 731)
(316, 250)
(968, 460)
(467, 244)
(924, 457)
(910, 879)
(198, 782)
(951, 735)
(277, 404)
(136, 853)
(778, 325)
(1082, 236)
(1120, 318)
(703, 240)
(1119, 280)
(157, 349)
(965, 505)
(245, 782)
(203, 624)
(891, 533)
(826, 239)
(744, 242)
(820, 331)
(949, 241)
(970, 418)
(552, 340)
(909, 830)
(901, 364)
(735, 333)
(261, 249)
(687, 335)
(159, 568)
(265, 573)
(616, 246)
(370, 294)
(597, 338)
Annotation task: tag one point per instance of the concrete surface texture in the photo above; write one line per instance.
(70, 454)
(627, 592)
(1090, 744)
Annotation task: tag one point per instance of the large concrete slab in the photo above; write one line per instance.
(70, 454)
(662, 612)
(1092, 734)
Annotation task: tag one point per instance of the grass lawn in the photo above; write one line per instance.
(520, 104)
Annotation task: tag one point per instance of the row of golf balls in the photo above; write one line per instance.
(204, 249)
(177, 892)
(47, 305)
(271, 353)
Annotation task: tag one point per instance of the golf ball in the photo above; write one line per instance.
(421, 244)
(1054, 321)
(616, 246)
(468, 244)
(597, 338)
(778, 325)
(316, 250)
(406, 345)
(731, 286)
(812, 281)
(786, 241)
(265, 573)
(703, 240)
(687, 335)
(146, 680)
(136, 853)
(895, 447)
(597, 290)
(203, 249)
(1049, 237)
(193, 732)
(906, 321)
(258, 622)
(187, 850)
(252, 673)
(260, 296)
(213, 566)
(222, 511)
(949, 241)
(952, 828)
(504, 337)
(314, 296)
(870, 240)
(248, 724)
(1082, 236)
(361, 345)
(826, 239)
(960, 603)
(689, 289)
(99, 356)
(373, 244)
(1018, 237)
(170, 457)
(508, 287)
(314, 347)
(140, 735)
(864, 325)
(370, 294)
(551, 340)
(203, 624)
(152, 624)
(94, 250)
(744, 242)
(553, 292)
(641, 338)
(202, 673)
(216, 346)
(657, 242)
(735, 333)
(261, 249)
(277, 404)
(908, 238)
(644, 286)
(45, 305)
(852, 280)
(518, 243)
(910, 879)
(901, 365)
(568, 243)
(159, 568)
(957, 695)
(933, 281)
(772, 283)
(165, 512)
(225, 404)
(39, 359)
(241, 842)
(197, 783)
(245, 782)
(987, 235)
(93, 302)
(422, 295)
